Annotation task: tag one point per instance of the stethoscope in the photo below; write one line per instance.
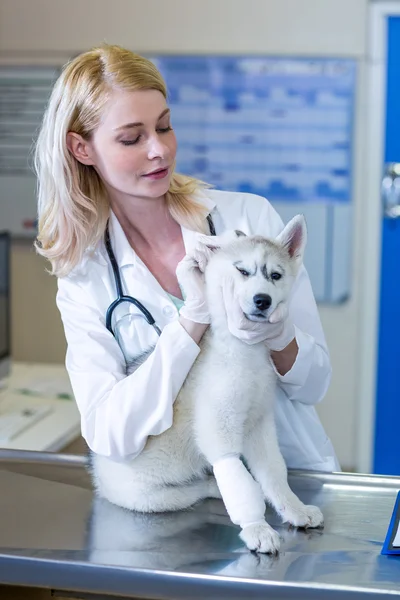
(118, 284)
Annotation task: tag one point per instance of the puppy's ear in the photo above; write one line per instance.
(294, 238)
(216, 242)
(206, 246)
(210, 242)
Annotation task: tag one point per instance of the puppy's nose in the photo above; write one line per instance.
(262, 301)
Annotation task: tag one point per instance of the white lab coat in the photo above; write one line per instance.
(119, 412)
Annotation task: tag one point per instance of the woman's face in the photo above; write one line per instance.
(134, 148)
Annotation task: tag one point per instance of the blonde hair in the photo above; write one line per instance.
(73, 206)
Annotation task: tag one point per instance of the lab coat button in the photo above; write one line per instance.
(168, 311)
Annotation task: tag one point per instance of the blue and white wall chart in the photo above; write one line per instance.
(278, 127)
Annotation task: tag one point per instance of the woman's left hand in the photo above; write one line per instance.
(277, 332)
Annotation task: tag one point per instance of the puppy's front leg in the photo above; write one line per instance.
(219, 434)
(244, 502)
(268, 467)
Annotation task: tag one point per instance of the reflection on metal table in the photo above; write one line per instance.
(55, 533)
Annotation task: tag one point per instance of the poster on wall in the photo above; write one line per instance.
(24, 92)
(277, 127)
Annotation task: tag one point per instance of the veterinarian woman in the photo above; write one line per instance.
(111, 206)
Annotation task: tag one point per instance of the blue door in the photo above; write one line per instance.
(387, 414)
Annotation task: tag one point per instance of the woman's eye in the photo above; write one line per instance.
(130, 142)
(276, 276)
(136, 140)
(243, 272)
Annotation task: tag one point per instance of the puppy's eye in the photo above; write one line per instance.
(243, 272)
(276, 276)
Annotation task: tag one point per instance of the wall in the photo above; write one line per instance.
(48, 30)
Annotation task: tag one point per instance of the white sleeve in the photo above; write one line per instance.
(119, 412)
(309, 378)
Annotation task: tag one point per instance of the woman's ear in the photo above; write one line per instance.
(80, 148)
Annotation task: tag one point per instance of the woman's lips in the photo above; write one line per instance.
(157, 174)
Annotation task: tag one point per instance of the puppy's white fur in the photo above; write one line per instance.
(224, 410)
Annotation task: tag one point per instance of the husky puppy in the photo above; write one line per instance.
(223, 415)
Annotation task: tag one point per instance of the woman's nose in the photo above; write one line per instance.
(157, 148)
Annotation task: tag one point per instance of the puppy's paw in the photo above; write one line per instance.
(260, 537)
(307, 516)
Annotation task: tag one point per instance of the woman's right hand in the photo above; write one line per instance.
(194, 314)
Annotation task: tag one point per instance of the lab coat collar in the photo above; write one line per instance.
(189, 236)
(124, 253)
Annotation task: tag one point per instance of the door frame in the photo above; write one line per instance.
(371, 247)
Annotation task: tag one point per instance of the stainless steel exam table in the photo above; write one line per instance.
(55, 534)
